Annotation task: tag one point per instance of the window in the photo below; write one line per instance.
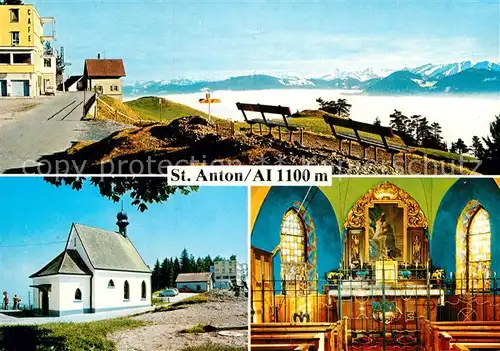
(479, 250)
(24, 58)
(143, 290)
(78, 295)
(126, 291)
(198, 287)
(111, 284)
(293, 246)
(47, 62)
(473, 248)
(14, 16)
(4, 59)
(115, 88)
(14, 38)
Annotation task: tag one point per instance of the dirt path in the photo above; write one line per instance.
(164, 333)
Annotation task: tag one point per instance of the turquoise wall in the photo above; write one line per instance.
(266, 231)
(443, 243)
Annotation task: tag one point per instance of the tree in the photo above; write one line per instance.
(143, 191)
(155, 276)
(343, 108)
(165, 266)
(340, 107)
(434, 140)
(192, 264)
(377, 122)
(12, 2)
(47, 48)
(199, 265)
(459, 147)
(184, 261)
(233, 258)
(492, 142)
(478, 148)
(176, 269)
(399, 122)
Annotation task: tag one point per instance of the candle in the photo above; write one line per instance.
(416, 265)
(406, 265)
(451, 275)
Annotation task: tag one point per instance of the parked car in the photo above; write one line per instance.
(168, 293)
(50, 90)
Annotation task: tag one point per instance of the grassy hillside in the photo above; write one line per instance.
(149, 108)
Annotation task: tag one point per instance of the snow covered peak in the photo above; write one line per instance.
(444, 70)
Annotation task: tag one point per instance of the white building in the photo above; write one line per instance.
(99, 270)
(194, 282)
(226, 271)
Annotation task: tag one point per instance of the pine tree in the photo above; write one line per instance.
(164, 273)
(184, 261)
(155, 276)
(169, 274)
(377, 122)
(12, 2)
(176, 269)
(460, 147)
(399, 122)
(199, 265)
(192, 264)
(478, 148)
(492, 142)
(207, 263)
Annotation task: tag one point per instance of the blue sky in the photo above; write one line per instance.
(211, 221)
(215, 39)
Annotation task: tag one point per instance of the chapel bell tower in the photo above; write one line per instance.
(122, 222)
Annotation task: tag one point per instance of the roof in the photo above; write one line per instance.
(105, 68)
(193, 277)
(110, 250)
(67, 262)
(72, 80)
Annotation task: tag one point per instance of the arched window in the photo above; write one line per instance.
(474, 248)
(126, 291)
(78, 295)
(143, 290)
(111, 283)
(293, 246)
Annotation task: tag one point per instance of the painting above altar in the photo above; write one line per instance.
(386, 231)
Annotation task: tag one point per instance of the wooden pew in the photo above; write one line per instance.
(356, 127)
(316, 339)
(489, 339)
(475, 346)
(269, 123)
(331, 331)
(294, 347)
(431, 330)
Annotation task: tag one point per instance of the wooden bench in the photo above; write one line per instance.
(475, 346)
(331, 331)
(317, 340)
(269, 123)
(485, 339)
(287, 347)
(432, 340)
(356, 127)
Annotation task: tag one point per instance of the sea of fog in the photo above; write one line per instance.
(459, 116)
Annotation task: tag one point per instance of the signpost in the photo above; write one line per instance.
(209, 100)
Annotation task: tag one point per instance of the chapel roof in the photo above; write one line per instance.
(67, 262)
(193, 277)
(110, 250)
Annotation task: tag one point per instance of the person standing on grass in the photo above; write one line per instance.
(5, 300)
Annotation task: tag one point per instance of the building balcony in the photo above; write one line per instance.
(49, 28)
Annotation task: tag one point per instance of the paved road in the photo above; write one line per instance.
(49, 128)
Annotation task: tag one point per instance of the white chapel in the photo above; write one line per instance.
(99, 270)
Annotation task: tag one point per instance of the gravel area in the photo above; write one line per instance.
(223, 310)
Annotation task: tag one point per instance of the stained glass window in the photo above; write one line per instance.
(479, 250)
(293, 246)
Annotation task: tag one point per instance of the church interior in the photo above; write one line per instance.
(376, 264)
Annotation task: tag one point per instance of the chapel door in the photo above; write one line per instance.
(45, 303)
(262, 288)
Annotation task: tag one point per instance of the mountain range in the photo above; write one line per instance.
(460, 77)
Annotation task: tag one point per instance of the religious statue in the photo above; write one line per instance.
(355, 249)
(417, 246)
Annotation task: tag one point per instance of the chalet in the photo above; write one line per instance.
(194, 282)
(104, 76)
